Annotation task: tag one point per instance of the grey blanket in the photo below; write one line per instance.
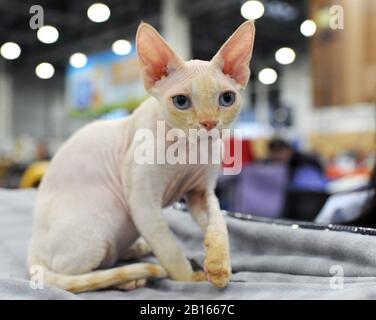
(269, 261)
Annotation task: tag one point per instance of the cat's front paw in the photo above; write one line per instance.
(217, 264)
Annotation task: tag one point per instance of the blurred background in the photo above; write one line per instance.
(309, 118)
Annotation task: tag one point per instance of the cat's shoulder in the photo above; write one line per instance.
(97, 124)
(148, 104)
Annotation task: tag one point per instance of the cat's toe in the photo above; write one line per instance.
(219, 277)
(131, 285)
(199, 276)
(217, 263)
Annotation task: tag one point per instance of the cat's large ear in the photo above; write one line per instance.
(155, 57)
(234, 56)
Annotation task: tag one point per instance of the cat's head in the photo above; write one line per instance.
(196, 94)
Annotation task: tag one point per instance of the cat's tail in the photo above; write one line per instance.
(100, 279)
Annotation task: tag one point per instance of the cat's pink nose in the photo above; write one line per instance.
(208, 125)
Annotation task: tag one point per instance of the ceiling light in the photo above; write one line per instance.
(308, 28)
(121, 47)
(45, 70)
(78, 60)
(285, 56)
(10, 50)
(47, 34)
(252, 10)
(267, 76)
(98, 12)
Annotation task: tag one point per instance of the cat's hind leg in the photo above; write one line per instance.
(138, 249)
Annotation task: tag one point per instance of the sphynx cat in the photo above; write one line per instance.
(96, 205)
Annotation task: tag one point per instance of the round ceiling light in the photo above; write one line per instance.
(122, 47)
(267, 76)
(10, 50)
(47, 34)
(78, 60)
(45, 70)
(308, 28)
(98, 12)
(252, 10)
(285, 56)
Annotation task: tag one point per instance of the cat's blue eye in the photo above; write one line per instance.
(181, 102)
(227, 98)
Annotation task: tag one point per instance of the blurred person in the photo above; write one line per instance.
(41, 151)
(367, 217)
(356, 208)
(305, 171)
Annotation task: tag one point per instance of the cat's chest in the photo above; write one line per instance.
(181, 180)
